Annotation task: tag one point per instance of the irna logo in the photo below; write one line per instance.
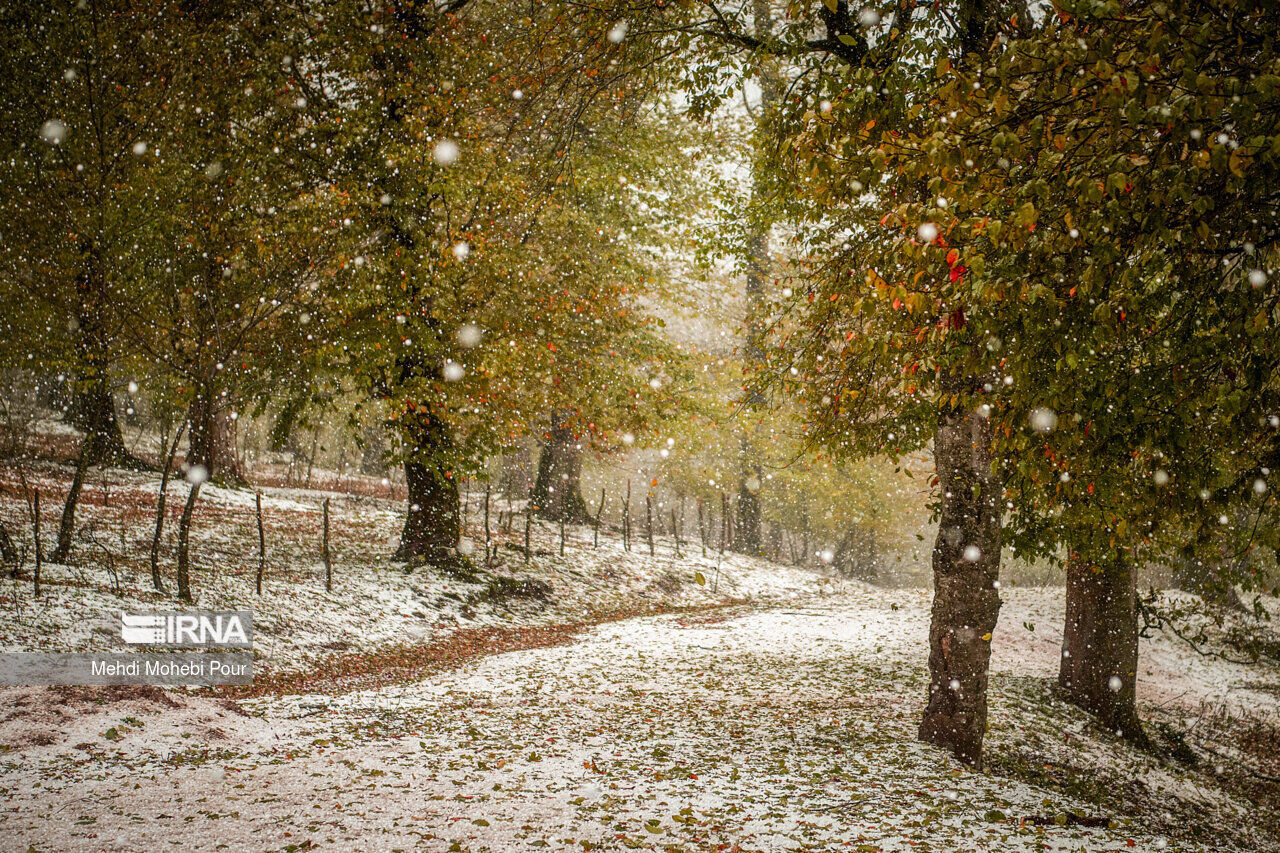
(203, 629)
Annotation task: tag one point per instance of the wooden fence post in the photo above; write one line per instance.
(528, 521)
(648, 521)
(595, 537)
(35, 520)
(324, 548)
(262, 543)
(626, 520)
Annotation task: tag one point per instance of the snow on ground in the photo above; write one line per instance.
(787, 727)
(374, 603)
(784, 720)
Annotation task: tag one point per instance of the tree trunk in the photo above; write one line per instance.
(557, 491)
(160, 502)
(433, 525)
(92, 408)
(746, 527)
(373, 453)
(858, 553)
(1099, 664)
(748, 539)
(67, 527)
(94, 412)
(184, 544)
(1198, 572)
(966, 602)
(212, 438)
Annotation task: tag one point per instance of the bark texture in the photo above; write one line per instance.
(557, 491)
(748, 538)
(433, 525)
(94, 412)
(67, 526)
(966, 601)
(184, 545)
(212, 438)
(858, 554)
(1099, 665)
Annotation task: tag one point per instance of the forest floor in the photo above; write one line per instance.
(775, 711)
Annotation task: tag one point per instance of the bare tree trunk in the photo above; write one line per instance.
(161, 497)
(528, 524)
(1099, 664)
(724, 521)
(93, 409)
(262, 543)
(95, 413)
(373, 452)
(324, 546)
(67, 527)
(747, 538)
(966, 601)
(487, 491)
(184, 544)
(8, 553)
(626, 520)
(702, 528)
(35, 527)
(595, 536)
(648, 521)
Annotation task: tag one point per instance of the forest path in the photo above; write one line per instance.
(770, 729)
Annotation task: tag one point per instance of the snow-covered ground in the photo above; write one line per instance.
(374, 603)
(787, 727)
(766, 708)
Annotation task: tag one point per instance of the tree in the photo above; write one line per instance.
(751, 478)
(220, 290)
(869, 61)
(844, 365)
(484, 276)
(557, 489)
(1070, 223)
(85, 86)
